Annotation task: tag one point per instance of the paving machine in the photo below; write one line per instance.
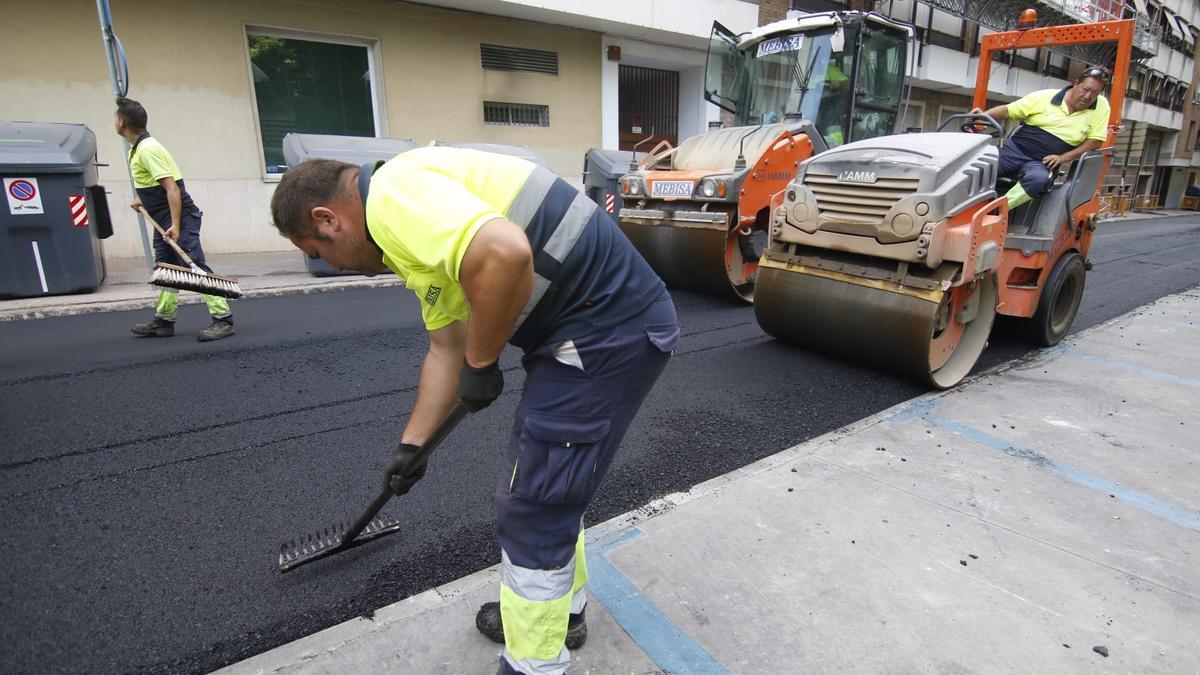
(698, 213)
(898, 252)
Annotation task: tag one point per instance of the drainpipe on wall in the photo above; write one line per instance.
(1128, 156)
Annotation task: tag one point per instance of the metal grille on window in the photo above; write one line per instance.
(516, 114)
(497, 57)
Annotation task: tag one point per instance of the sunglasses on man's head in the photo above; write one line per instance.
(1098, 73)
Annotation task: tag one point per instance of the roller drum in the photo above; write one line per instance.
(692, 258)
(876, 327)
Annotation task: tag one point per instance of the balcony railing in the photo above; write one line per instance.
(1002, 15)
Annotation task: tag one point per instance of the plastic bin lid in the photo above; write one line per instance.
(521, 151)
(29, 147)
(600, 165)
(350, 149)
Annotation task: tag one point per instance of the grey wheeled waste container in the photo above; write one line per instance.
(55, 212)
(521, 151)
(601, 169)
(349, 149)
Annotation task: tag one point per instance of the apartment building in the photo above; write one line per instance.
(1157, 153)
(224, 81)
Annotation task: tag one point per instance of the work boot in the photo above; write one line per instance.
(220, 328)
(487, 620)
(159, 327)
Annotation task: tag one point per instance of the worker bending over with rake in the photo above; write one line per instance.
(500, 250)
(1058, 125)
(163, 197)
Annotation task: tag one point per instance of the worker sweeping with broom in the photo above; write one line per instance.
(161, 195)
(500, 250)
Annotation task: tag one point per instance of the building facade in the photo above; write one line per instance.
(1157, 152)
(225, 80)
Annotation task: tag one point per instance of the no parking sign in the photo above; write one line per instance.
(23, 195)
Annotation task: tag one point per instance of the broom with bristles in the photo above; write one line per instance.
(191, 278)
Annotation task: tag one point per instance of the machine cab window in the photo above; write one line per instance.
(879, 83)
(819, 75)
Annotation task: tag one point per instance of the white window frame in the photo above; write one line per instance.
(945, 111)
(1172, 24)
(375, 77)
(1184, 33)
(919, 108)
(945, 22)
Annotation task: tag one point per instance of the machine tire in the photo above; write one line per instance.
(1059, 301)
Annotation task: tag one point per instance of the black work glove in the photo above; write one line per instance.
(398, 483)
(478, 387)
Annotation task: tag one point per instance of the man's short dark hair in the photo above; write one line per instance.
(312, 183)
(132, 113)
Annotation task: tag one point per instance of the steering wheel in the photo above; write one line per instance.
(976, 123)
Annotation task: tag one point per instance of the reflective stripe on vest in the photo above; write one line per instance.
(555, 240)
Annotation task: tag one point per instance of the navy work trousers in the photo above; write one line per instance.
(155, 203)
(580, 397)
(574, 411)
(1033, 176)
(189, 235)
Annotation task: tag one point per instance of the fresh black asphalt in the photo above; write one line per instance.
(147, 483)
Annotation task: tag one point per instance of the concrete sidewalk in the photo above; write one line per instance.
(124, 287)
(1043, 517)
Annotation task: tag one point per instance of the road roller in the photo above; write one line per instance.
(898, 252)
(698, 212)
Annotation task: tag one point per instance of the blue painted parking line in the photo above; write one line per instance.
(1113, 363)
(924, 410)
(671, 649)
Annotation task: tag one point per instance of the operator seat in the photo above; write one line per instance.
(1041, 216)
(1057, 202)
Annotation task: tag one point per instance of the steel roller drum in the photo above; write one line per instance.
(693, 258)
(877, 327)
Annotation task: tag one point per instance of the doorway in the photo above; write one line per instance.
(648, 107)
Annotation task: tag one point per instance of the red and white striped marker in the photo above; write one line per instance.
(78, 210)
(610, 202)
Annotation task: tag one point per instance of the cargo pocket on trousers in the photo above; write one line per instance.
(556, 463)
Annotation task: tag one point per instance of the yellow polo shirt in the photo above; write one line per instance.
(424, 208)
(1039, 110)
(150, 162)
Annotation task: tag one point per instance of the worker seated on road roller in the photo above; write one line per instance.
(822, 97)
(832, 107)
(1058, 125)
